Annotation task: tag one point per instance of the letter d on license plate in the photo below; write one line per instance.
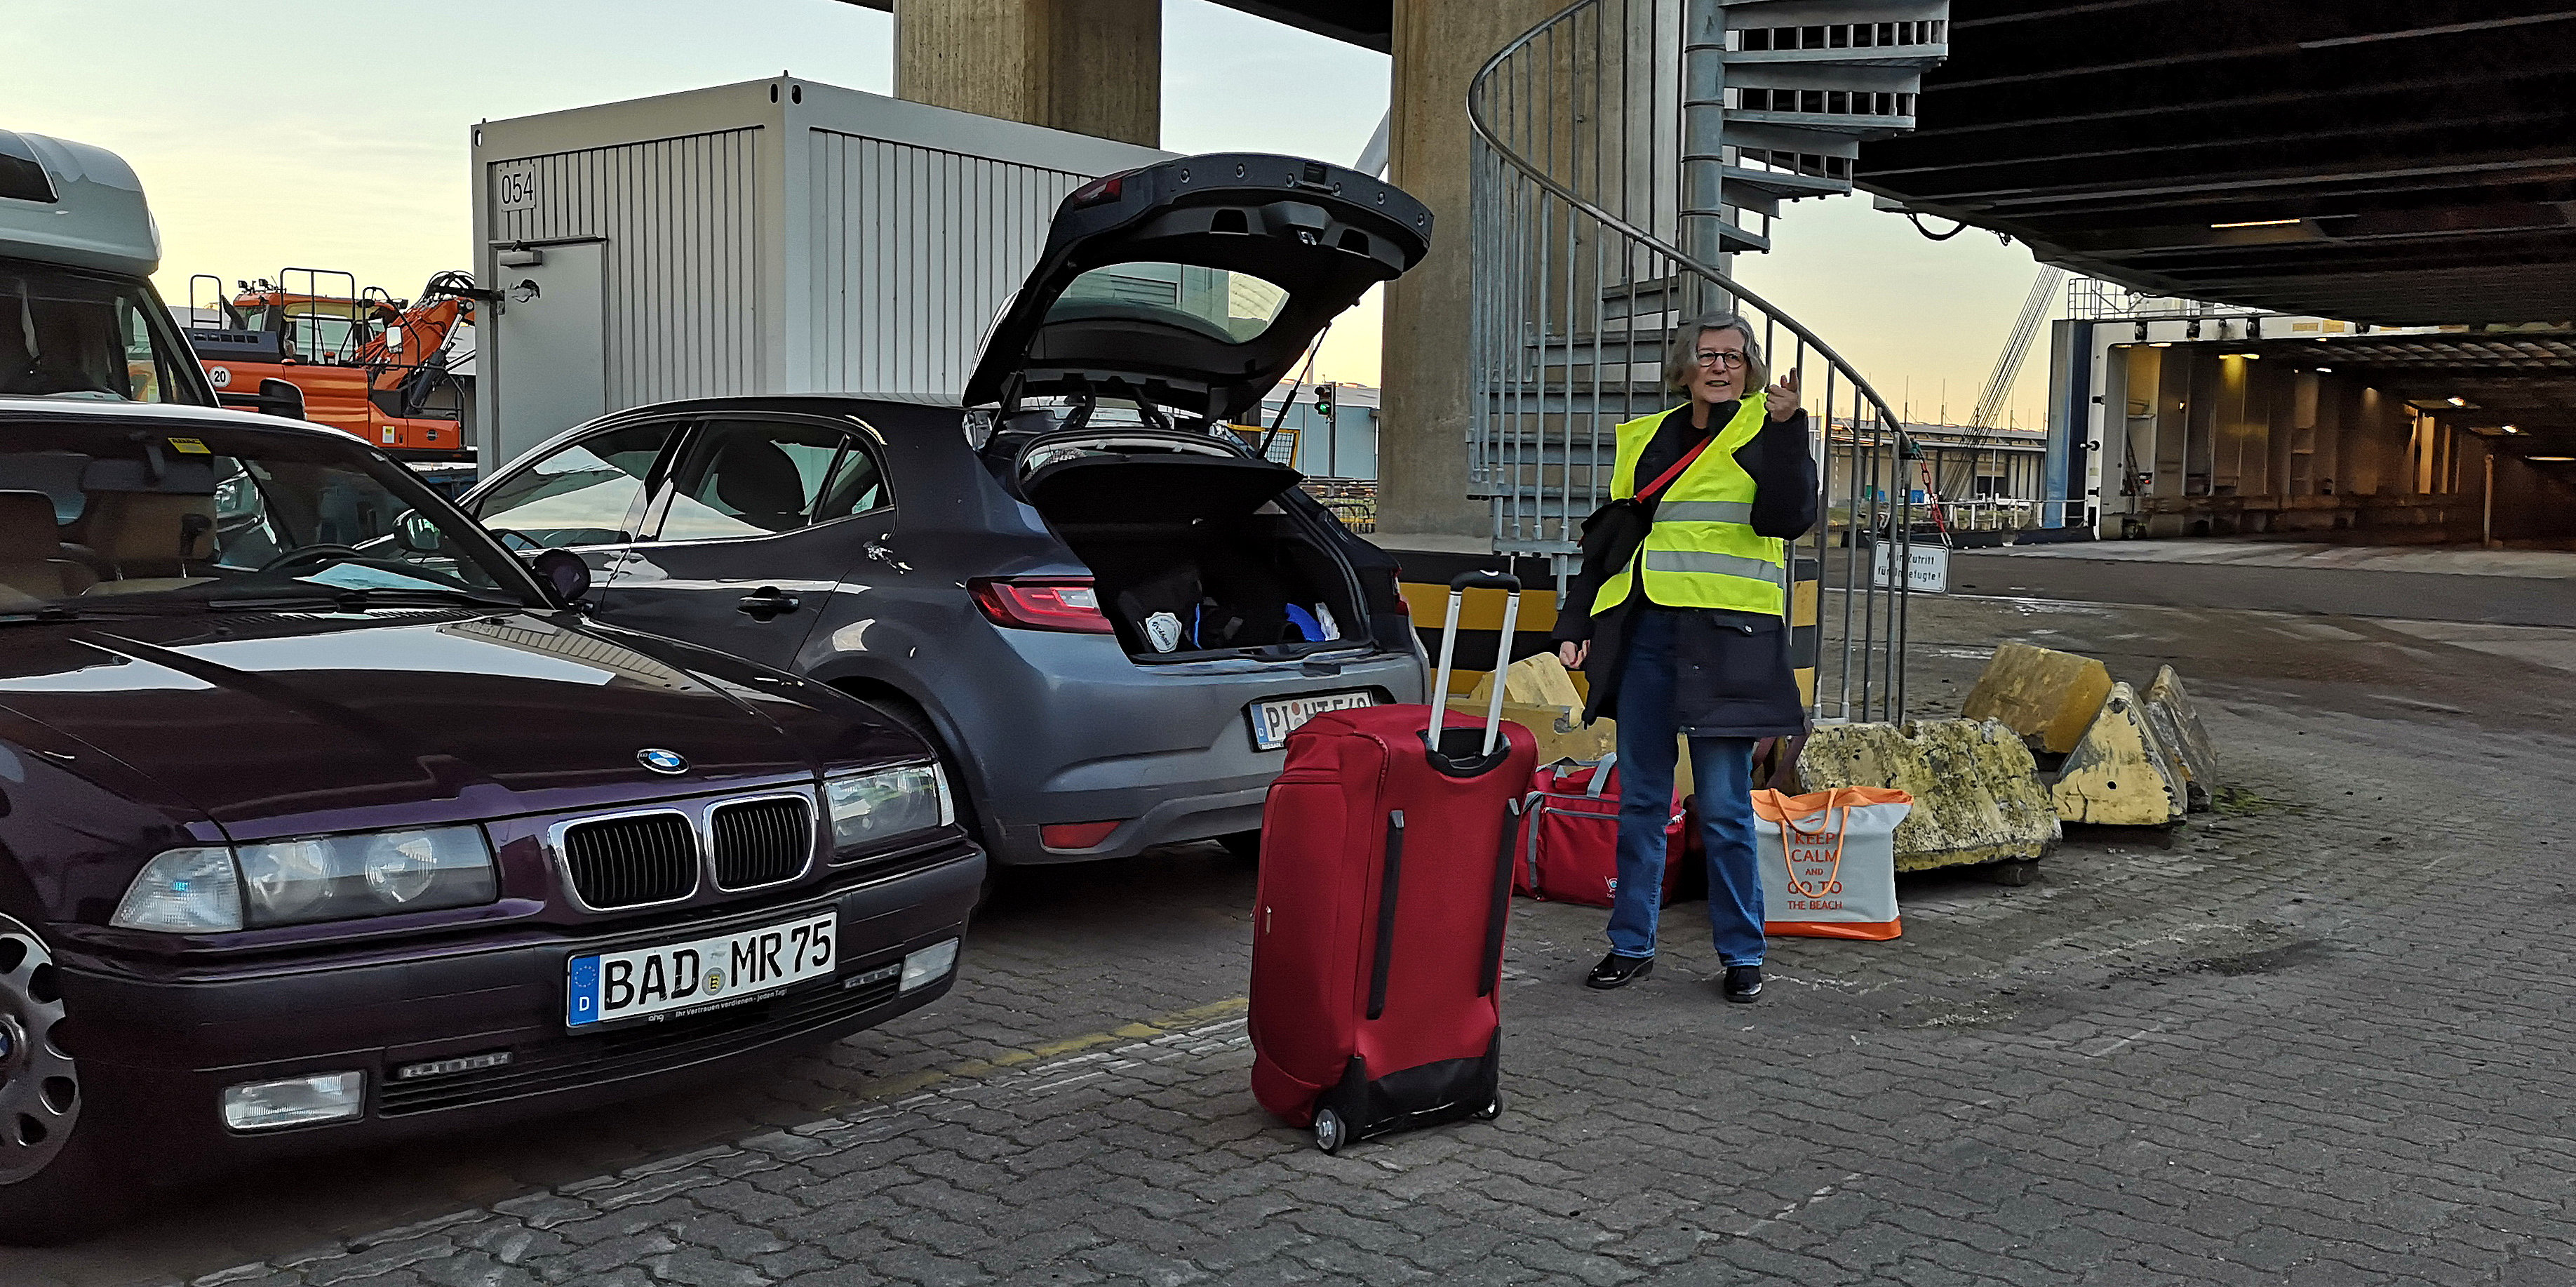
(610, 986)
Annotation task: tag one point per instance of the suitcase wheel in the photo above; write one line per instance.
(1330, 1133)
(1491, 1110)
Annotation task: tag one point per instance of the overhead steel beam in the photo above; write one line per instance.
(2426, 149)
(1370, 24)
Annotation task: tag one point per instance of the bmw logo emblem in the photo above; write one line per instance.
(661, 761)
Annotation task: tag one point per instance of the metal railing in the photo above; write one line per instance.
(1577, 218)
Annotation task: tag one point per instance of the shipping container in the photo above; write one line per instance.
(776, 236)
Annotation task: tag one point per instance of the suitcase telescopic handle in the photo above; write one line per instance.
(1458, 587)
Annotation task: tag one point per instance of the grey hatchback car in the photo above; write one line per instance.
(1102, 606)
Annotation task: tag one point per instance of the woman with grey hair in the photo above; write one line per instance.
(1680, 616)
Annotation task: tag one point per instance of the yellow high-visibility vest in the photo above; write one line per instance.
(1701, 551)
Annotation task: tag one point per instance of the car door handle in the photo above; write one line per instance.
(766, 602)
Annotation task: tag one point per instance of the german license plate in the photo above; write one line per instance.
(721, 970)
(1273, 721)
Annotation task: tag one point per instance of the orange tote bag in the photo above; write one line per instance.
(1828, 861)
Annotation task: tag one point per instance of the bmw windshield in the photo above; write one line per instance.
(125, 515)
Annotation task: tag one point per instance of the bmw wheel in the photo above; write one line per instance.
(53, 1183)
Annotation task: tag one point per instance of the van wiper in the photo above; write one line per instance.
(49, 613)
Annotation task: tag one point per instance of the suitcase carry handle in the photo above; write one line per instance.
(1458, 587)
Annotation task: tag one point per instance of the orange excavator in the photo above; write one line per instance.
(311, 346)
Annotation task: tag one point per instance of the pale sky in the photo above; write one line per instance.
(271, 133)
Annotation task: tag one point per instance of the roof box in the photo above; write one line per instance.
(73, 204)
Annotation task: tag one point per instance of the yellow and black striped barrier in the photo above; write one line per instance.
(1425, 582)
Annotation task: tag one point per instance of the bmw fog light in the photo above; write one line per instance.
(871, 808)
(329, 878)
(295, 1101)
(928, 964)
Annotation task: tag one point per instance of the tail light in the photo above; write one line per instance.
(1066, 603)
(1098, 192)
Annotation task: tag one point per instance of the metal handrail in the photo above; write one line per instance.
(1484, 132)
(1610, 112)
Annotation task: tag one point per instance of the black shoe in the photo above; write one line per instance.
(1615, 971)
(1744, 983)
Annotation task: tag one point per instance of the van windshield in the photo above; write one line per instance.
(69, 334)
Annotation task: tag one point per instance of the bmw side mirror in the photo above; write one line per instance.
(418, 534)
(564, 573)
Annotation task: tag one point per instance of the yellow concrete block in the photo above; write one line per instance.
(1559, 735)
(1536, 680)
(2046, 696)
(2119, 775)
(1977, 793)
(2186, 742)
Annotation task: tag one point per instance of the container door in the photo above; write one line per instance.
(550, 348)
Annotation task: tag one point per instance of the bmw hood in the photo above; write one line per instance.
(280, 724)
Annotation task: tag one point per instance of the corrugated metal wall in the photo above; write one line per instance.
(912, 251)
(682, 220)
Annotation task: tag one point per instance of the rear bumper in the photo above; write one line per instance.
(1166, 752)
(156, 1055)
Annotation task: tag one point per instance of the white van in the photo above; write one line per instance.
(78, 316)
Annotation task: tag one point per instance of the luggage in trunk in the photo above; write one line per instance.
(1192, 554)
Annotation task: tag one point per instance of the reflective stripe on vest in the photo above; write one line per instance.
(1702, 551)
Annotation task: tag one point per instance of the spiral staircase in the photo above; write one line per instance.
(1625, 151)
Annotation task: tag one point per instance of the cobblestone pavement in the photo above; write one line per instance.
(2320, 1037)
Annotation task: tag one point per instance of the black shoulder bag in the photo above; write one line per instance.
(1614, 531)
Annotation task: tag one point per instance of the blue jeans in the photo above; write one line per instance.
(1649, 733)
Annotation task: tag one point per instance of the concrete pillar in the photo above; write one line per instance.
(1089, 66)
(1422, 437)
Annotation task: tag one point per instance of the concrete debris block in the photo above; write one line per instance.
(1977, 794)
(2186, 742)
(2048, 697)
(1556, 728)
(2119, 775)
(1536, 680)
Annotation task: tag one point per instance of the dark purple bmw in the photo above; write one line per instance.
(323, 821)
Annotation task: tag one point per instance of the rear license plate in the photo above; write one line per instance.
(1273, 721)
(722, 970)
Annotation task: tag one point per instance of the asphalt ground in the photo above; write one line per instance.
(2320, 1036)
(2424, 596)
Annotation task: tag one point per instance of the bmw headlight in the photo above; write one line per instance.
(312, 878)
(871, 808)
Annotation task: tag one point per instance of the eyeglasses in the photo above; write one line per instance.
(1722, 358)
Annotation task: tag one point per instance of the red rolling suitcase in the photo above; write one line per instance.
(1377, 940)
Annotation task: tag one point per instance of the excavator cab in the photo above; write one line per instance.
(312, 345)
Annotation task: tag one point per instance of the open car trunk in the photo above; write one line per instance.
(1192, 553)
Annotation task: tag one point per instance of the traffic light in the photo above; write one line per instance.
(1324, 401)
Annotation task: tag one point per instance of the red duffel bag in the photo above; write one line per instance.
(1570, 835)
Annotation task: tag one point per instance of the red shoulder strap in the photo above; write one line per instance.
(1666, 478)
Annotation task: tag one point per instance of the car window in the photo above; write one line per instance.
(1223, 305)
(583, 493)
(763, 477)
